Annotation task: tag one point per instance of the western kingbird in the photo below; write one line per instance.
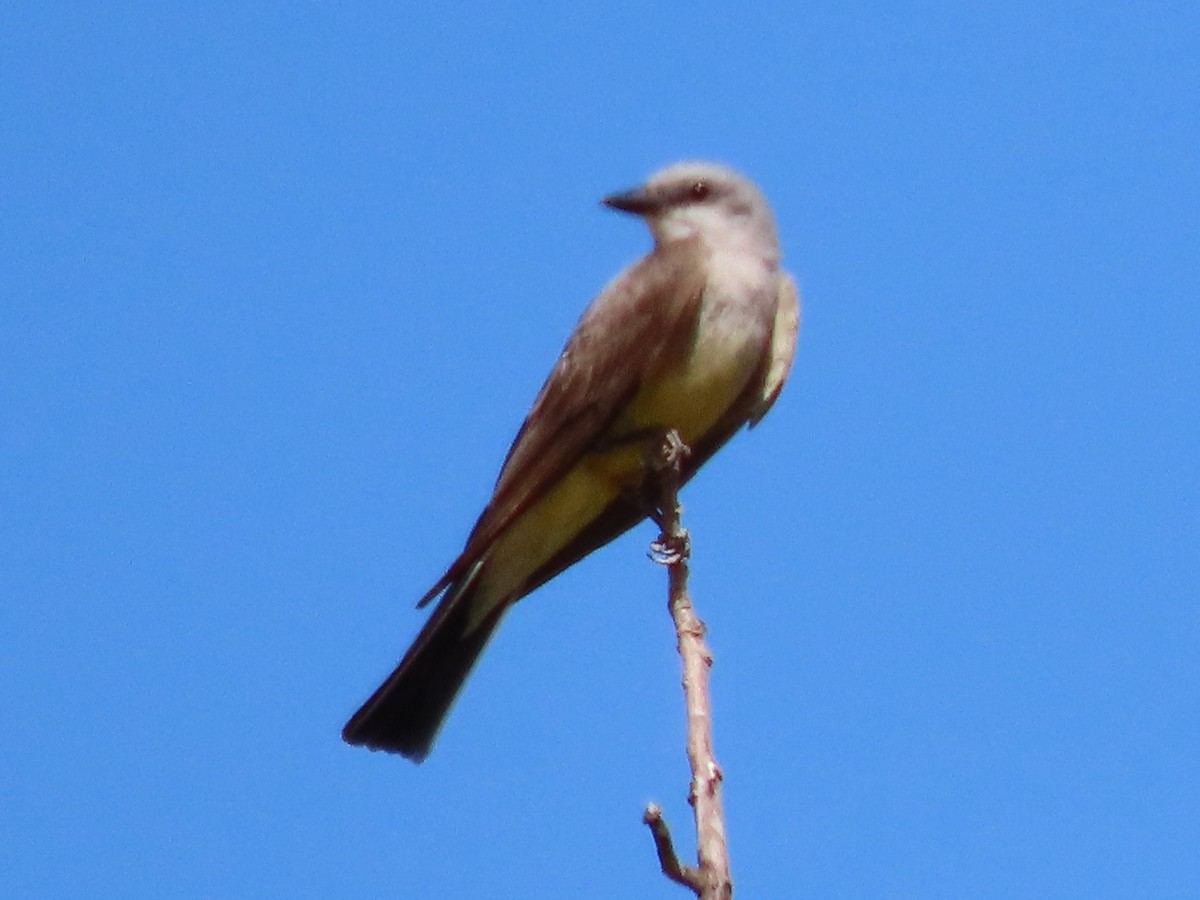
(697, 336)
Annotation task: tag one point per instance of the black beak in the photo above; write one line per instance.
(636, 200)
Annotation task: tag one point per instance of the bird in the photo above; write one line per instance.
(697, 336)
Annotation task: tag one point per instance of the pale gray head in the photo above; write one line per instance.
(706, 199)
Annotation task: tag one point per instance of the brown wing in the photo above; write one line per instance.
(782, 346)
(623, 336)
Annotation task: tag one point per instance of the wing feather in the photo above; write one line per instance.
(631, 330)
(782, 347)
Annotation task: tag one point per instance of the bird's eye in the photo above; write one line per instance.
(699, 190)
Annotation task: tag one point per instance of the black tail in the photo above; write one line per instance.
(403, 716)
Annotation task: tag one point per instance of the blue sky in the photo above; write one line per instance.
(279, 282)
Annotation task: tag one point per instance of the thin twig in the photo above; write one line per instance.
(710, 880)
(688, 876)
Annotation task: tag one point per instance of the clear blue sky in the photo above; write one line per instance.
(277, 284)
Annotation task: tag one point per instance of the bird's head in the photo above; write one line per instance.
(702, 199)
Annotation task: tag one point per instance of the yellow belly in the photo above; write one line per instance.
(690, 398)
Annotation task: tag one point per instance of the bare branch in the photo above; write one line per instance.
(710, 880)
(688, 876)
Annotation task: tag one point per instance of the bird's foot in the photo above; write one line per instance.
(668, 550)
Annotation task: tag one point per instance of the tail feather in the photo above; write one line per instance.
(405, 713)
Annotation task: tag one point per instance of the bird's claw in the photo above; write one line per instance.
(667, 550)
